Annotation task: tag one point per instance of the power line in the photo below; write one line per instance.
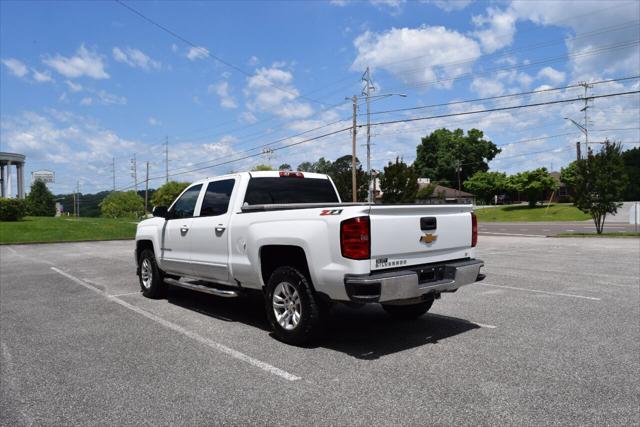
(252, 155)
(488, 98)
(207, 53)
(490, 110)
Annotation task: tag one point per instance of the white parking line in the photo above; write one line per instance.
(125, 294)
(513, 234)
(10, 249)
(170, 325)
(539, 291)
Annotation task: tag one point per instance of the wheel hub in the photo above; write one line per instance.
(286, 306)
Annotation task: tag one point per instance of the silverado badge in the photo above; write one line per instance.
(428, 238)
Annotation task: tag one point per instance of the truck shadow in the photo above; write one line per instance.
(366, 333)
(369, 333)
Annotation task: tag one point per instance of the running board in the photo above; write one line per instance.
(200, 288)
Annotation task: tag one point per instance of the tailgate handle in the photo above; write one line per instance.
(428, 223)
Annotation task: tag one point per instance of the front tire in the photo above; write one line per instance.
(294, 312)
(151, 277)
(408, 312)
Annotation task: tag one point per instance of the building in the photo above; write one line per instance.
(7, 160)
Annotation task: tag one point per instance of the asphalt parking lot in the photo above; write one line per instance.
(551, 337)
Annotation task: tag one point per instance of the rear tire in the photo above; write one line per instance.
(408, 312)
(151, 277)
(294, 312)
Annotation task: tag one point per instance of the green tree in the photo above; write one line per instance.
(486, 185)
(426, 192)
(284, 167)
(167, 193)
(40, 200)
(631, 160)
(568, 175)
(535, 184)
(601, 181)
(306, 167)
(399, 183)
(262, 168)
(122, 204)
(340, 172)
(441, 153)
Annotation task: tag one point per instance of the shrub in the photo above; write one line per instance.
(122, 205)
(12, 209)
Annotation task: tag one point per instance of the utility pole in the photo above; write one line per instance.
(166, 158)
(586, 87)
(354, 186)
(134, 172)
(146, 190)
(113, 172)
(78, 199)
(366, 77)
(459, 168)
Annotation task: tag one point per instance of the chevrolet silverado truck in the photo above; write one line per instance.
(287, 235)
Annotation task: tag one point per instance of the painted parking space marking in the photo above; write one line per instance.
(177, 328)
(540, 291)
(481, 325)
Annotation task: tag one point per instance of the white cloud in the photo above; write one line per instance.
(41, 77)
(450, 5)
(74, 87)
(174, 47)
(135, 58)
(394, 6)
(222, 90)
(253, 61)
(272, 90)
(197, 52)
(340, 3)
(154, 122)
(102, 97)
(248, 117)
(554, 76)
(487, 87)
(417, 55)
(496, 29)
(85, 63)
(16, 67)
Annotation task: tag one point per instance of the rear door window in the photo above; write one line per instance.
(285, 190)
(216, 198)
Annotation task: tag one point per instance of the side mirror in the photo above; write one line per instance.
(160, 212)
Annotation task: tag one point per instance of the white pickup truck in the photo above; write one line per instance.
(288, 236)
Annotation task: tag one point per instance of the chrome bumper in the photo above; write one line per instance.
(398, 286)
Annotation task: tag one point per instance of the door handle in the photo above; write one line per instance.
(184, 229)
(220, 228)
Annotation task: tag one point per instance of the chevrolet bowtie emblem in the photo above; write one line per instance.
(428, 238)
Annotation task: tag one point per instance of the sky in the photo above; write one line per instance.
(230, 85)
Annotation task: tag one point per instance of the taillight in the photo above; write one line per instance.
(355, 238)
(289, 174)
(474, 230)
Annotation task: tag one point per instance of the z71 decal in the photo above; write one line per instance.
(330, 212)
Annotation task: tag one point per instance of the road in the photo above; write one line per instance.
(525, 229)
(550, 337)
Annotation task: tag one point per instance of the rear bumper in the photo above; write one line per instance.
(403, 285)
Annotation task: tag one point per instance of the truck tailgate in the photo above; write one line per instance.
(418, 234)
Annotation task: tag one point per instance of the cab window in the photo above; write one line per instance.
(186, 204)
(216, 198)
